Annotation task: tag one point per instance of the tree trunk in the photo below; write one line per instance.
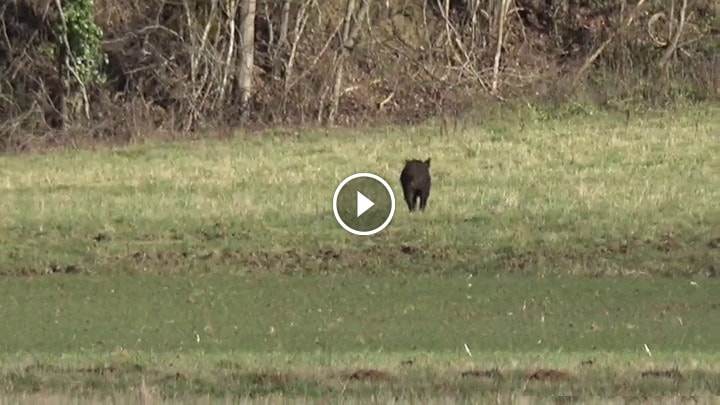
(351, 32)
(63, 79)
(231, 10)
(504, 6)
(248, 55)
(284, 21)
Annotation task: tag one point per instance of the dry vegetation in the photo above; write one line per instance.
(184, 65)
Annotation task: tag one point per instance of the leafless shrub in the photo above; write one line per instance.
(177, 66)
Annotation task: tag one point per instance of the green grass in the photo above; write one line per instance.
(356, 313)
(585, 195)
(216, 269)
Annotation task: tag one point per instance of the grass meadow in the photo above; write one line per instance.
(564, 256)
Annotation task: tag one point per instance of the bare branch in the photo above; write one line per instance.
(589, 61)
(670, 51)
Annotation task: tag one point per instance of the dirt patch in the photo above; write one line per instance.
(370, 375)
(170, 258)
(549, 375)
(112, 369)
(493, 374)
(329, 254)
(63, 269)
(273, 379)
(218, 231)
(409, 250)
(172, 378)
(620, 247)
(668, 243)
(516, 261)
(101, 237)
(44, 368)
(293, 260)
(100, 370)
(673, 374)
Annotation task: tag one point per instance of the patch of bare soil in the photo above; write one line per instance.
(548, 375)
(99, 370)
(409, 250)
(274, 379)
(370, 375)
(101, 237)
(493, 374)
(668, 243)
(107, 370)
(63, 269)
(673, 374)
(518, 261)
(324, 259)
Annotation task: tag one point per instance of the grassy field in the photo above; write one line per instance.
(575, 254)
(583, 195)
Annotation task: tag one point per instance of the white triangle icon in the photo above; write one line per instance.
(363, 204)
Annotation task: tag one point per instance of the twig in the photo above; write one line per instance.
(4, 30)
(386, 100)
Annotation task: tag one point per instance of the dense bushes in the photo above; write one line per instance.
(176, 65)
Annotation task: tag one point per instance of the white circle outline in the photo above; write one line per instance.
(384, 184)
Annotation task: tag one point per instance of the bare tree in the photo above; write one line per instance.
(504, 6)
(247, 49)
(284, 21)
(350, 34)
(231, 10)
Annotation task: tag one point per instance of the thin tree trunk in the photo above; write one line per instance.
(248, 56)
(69, 61)
(62, 62)
(348, 19)
(300, 23)
(284, 22)
(504, 5)
(351, 31)
(231, 11)
(337, 86)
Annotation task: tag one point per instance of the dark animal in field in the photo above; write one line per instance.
(415, 180)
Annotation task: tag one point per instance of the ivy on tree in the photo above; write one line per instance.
(84, 39)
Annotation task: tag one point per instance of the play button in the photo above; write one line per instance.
(363, 204)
